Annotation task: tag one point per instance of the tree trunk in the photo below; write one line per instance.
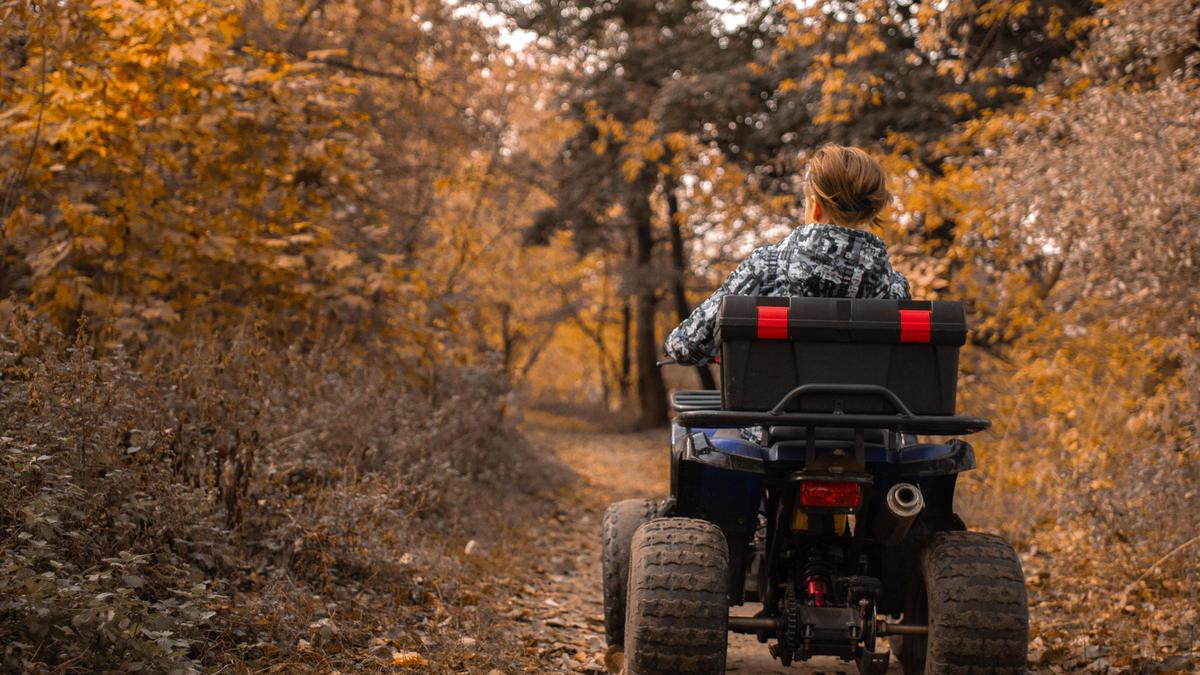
(679, 263)
(506, 338)
(652, 393)
(626, 335)
(605, 378)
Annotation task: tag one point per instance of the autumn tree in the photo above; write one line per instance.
(255, 258)
(131, 192)
(464, 131)
(644, 81)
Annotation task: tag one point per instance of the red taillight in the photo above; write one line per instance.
(830, 494)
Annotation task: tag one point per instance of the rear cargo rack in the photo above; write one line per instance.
(697, 410)
(685, 400)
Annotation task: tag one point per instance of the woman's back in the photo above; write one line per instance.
(816, 260)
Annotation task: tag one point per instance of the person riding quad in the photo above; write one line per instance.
(829, 257)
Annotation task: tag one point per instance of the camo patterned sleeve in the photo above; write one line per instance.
(884, 282)
(694, 340)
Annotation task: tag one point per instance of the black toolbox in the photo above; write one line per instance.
(770, 346)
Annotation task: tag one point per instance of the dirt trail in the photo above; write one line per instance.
(559, 617)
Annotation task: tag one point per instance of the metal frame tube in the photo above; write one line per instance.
(753, 624)
(900, 629)
(934, 425)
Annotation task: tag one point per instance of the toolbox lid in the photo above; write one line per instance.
(743, 317)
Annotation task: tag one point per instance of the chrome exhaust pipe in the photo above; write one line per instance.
(903, 503)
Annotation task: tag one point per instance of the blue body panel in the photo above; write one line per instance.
(735, 446)
(734, 494)
(731, 494)
(793, 451)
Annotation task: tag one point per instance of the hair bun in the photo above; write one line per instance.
(850, 184)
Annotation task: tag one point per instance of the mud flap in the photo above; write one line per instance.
(873, 664)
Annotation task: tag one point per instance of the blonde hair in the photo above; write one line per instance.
(849, 184)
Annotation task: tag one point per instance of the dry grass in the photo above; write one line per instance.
(242, 505)
(1107, 531)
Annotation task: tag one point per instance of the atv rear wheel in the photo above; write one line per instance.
(621, 520)
(678, 615)
(971, 592)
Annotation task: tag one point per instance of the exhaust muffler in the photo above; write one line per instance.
(902, 505)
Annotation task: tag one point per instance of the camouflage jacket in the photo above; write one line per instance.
(821, 261)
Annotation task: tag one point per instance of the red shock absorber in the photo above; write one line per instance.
(816, 580)
(816, 589)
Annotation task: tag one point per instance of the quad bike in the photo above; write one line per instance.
(801, 487)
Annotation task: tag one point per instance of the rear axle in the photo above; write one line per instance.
(759, 624)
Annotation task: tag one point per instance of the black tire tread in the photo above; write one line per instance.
(621, 520)
(978, 606)
(678, 610)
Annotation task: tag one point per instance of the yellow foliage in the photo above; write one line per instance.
(959, 102)
(141, 136)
